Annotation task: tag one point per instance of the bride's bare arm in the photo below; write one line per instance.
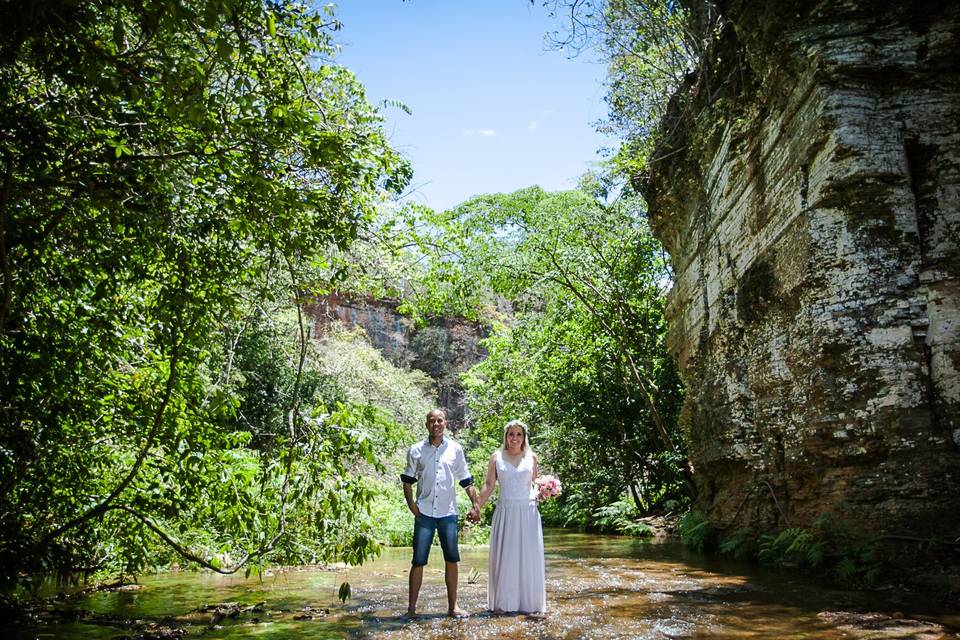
(489, 482)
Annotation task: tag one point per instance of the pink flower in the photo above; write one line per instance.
(548, 487)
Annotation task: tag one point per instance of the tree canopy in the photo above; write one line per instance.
(172, 170)
(573, 285)
(177, 178)
(651, 49)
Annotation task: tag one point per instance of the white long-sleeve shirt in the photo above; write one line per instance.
(434, 470)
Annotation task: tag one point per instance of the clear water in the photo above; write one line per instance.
(597, 587)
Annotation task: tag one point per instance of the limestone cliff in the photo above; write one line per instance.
(809, 196)
(444, 348)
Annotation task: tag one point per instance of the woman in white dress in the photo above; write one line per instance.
(516, 579)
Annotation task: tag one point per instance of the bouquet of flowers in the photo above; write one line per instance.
(547, 486)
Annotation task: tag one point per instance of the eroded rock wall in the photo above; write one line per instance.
(810, 201)
(444, 348)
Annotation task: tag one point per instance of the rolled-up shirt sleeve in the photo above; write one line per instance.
(460, 469)
(409, 475)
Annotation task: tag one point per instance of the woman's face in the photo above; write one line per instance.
(514, 439)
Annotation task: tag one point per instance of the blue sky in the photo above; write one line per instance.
(493, 109)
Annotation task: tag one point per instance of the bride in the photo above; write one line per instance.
(516, 580)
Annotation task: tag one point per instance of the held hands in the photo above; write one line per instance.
(474, 515)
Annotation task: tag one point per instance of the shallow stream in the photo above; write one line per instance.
(597, 587)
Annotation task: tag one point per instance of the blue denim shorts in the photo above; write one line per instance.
(423, 528)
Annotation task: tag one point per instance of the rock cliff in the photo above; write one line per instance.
(443, 349)
(809, 196)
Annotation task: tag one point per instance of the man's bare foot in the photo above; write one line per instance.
(498, 612)
(536, 615)
(457, 612)
(411, 614)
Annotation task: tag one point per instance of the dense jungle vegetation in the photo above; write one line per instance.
(572, 286)
(179, 178)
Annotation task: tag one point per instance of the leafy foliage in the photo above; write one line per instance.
(363, 375)
(583, 361)
(794, 544)
(572, 287)
(742, 545)
(389, 519)
(171, 173)
(621, 517)
(652, 48)
(828, 548)
(695, 530)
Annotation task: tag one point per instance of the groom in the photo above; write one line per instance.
(433, 464)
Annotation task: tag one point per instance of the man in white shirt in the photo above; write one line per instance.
(433, 464)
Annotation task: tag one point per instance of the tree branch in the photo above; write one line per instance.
(641, 382)
(189, 555)
(104, 505)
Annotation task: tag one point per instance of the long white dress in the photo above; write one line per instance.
(516, 580)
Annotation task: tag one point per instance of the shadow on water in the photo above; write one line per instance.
(597, 587)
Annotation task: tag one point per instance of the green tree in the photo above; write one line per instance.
(167, 167)
(581, 355)
(651, 49)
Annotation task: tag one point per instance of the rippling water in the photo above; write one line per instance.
(597, 587)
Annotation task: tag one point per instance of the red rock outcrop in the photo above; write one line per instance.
(444, 348)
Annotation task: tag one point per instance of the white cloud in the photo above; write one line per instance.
(486, 133)
(533, 125)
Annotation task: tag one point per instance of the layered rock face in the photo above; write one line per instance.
(812, 211)
(443, 349)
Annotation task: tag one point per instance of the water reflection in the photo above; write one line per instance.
(597, 587)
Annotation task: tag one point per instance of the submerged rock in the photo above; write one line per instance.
(878, 626)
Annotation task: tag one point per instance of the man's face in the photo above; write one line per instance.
(436, 423)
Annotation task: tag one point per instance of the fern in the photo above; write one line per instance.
(621, 517)
(828, 547)
(695, 530)
(847, 570)
(768, 551)
(742, 545)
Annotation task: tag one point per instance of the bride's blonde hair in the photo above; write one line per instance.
(525, 447)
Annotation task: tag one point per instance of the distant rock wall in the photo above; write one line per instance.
(810, 201)
(443, 349)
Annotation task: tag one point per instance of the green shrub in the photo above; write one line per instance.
(621, 517)
(742, 545)
(828, 548)
(795, 546)
(695, 530)
(471, 533)
(391, 523)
